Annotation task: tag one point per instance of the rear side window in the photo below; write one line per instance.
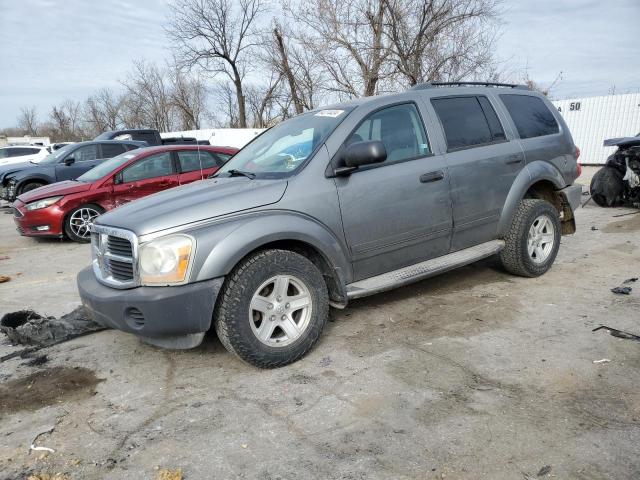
(85, 153)
(530, 115)
(191, 160)
(465, 123)
(110, 150)
(158, 165)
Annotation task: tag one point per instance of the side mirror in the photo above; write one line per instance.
(69, 161)
(117, 179)
(359, 154)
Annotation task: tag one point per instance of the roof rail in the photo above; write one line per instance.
(425, 85)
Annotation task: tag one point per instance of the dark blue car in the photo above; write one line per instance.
(67, 163)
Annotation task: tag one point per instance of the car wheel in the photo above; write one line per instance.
(533, 240)
(607, 187)
(77, 225)
(272, 308)
(27, 187)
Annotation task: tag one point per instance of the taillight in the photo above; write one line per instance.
(577, 152)
(579, 165)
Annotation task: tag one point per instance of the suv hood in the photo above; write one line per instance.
(61, 188)
(194, 202)
(622, 142)
(14, 167)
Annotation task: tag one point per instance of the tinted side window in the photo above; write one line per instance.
(401, 130)
(4, 153)
(85, 153)
(497, 133)
(148, 137)
(222, 157)
(463, 121)
(531, 115)
(157, 165)
(110, 150)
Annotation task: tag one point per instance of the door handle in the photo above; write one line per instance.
(432, 176)
(513, 159)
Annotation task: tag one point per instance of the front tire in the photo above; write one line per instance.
(607, 187)
(30, 186)
(533, 240)
(272, 308)
(77, 225)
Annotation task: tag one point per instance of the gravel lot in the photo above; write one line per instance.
(473, 374)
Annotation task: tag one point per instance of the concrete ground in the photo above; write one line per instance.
(473, 374)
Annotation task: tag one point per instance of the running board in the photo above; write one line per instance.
(413, 273)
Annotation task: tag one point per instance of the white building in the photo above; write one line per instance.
(594, 119)
(26, 140)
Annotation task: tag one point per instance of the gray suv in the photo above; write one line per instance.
(336, 204)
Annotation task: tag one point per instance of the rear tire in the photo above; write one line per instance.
(272, 308)
(607, 187)
(533, 239)
(78, 223)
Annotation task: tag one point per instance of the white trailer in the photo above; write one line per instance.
(594, 119)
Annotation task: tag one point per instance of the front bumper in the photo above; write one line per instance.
(171, 317)
(572, 195)
(31, 223)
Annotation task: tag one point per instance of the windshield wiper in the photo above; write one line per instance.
(240, 173)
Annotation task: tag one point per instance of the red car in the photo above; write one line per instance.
(69, 208)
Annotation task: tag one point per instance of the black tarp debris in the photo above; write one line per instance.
(36, 361)
(630, 280)
(26, 327)
(618, 333)
(544, 471)
(622, 290)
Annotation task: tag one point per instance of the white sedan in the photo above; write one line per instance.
(22, 153)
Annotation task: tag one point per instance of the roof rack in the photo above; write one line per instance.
(425, 85)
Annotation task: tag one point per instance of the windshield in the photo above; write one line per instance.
(105, 168)
(56, 156)
(283, 149)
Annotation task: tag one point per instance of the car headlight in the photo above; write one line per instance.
(165, 261)
(44, 203)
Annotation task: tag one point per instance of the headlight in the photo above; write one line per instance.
(44, 203)
(165, 261)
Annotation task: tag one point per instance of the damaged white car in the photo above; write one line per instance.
(618, 182)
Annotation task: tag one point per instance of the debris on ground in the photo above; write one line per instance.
(4, 257)
(167, 474)
(622, 290)
(602, 360)
(4, 278)
(618, 333)
(26, 327)
(593, 228)
(35, 361)
(41, 449)
(544, 471)
(630, 280)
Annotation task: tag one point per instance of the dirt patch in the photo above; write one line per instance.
(632, 224)
(47, 387)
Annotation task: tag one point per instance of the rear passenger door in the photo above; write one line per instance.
(483, 163)
(396, 213)
(195, 165)
(146, 176)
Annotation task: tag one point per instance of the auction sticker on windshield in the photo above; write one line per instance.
(329, 113)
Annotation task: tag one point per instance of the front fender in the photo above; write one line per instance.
(221, 246)
(532, 173)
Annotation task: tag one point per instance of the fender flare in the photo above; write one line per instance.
(220, 249)
(529, 175)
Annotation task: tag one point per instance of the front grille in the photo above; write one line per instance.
(119, 246)
(136, 317)
(115, 256)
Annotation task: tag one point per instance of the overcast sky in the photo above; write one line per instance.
(51, 50)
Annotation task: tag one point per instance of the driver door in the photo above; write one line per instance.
(396, 213)
(84, 159)
(146, 176)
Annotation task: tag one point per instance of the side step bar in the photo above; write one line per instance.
(413, 273)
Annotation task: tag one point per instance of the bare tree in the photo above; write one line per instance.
(28, 120)
(103, 111)
(65, 121)
(346, 37)
(188, 97)
(218, 36)
(148, 97)
(267, 103)
(440, 39)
